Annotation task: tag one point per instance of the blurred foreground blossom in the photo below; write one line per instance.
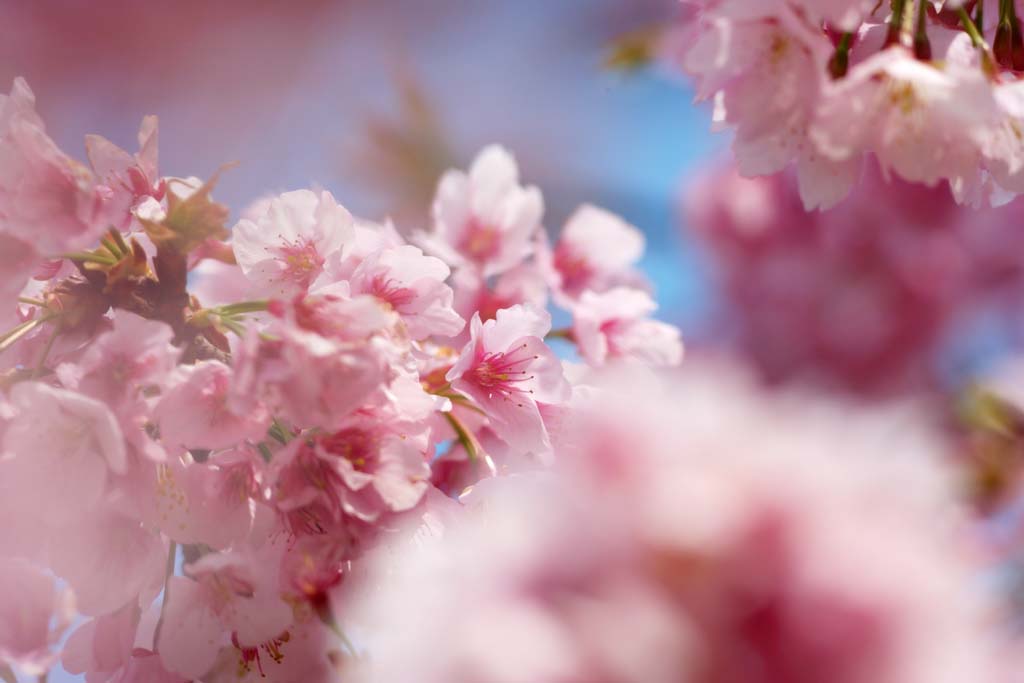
(697, 531)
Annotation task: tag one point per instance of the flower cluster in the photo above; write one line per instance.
(203, 430)
(702, 534)
(912, 83)
(878, 296)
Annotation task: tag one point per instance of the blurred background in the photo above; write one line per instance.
(371, 99)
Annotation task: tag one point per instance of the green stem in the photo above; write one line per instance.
(119, 238)
(465, 438)
(922, 48)
(264, 450)
(279, 432)
(895, 22)
(11, 337)
(243, 307)
(111, 246)
(32, 302)
(46, 353)
(840, 61)
(233, 325)
(89, 257)
(172, 554)
(972, 30)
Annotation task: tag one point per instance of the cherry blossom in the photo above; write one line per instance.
(34, 613)
(673, 547)
(822, 84)
(284, 251)
(46, 198)
(615, 325)
(595, 251)
(508, 370)
(484, 218)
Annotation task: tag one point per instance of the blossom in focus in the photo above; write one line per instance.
(284, 251)
(203, 434)
(507, 369)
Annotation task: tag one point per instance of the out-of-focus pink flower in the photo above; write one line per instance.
(413, 285)
(194, 411)
(109, 559)
(210, 502)
(507, 369)
(823, 84)
(128, 178)
(46, 198)
(596, 250)
(765, 66)
(226, 605)
(34, 611)
(697, 533)
(524, 284)
(124, 367)
(284, 252)
(897, 107)
(62, 448)
(319, 365)
(862, 297)
(485, 219)
(365, 469)
(615, 325)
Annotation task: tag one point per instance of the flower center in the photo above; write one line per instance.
(300, 260)
(391, 292)
(480, 242)
(503, 373)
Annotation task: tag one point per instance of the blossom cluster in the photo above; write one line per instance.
(702, 533)
(204, 429)
(928, 89)
(886, 294)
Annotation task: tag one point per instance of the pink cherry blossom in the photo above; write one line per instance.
(284, 251)
(123, 368)
(317, 367)
(46, 198)
(673, 546)
(109, 559)
(898, 107)
(865, 298)
(596, 250)
(524, 284)
(507, 370)
(765, 65)
(412, 284)
(34, 611)
(63, 445)
(485, 218)
(129, 178)
(223, 606)
(194, 411)
(616, 325)
(362, 470)
(210, 502)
